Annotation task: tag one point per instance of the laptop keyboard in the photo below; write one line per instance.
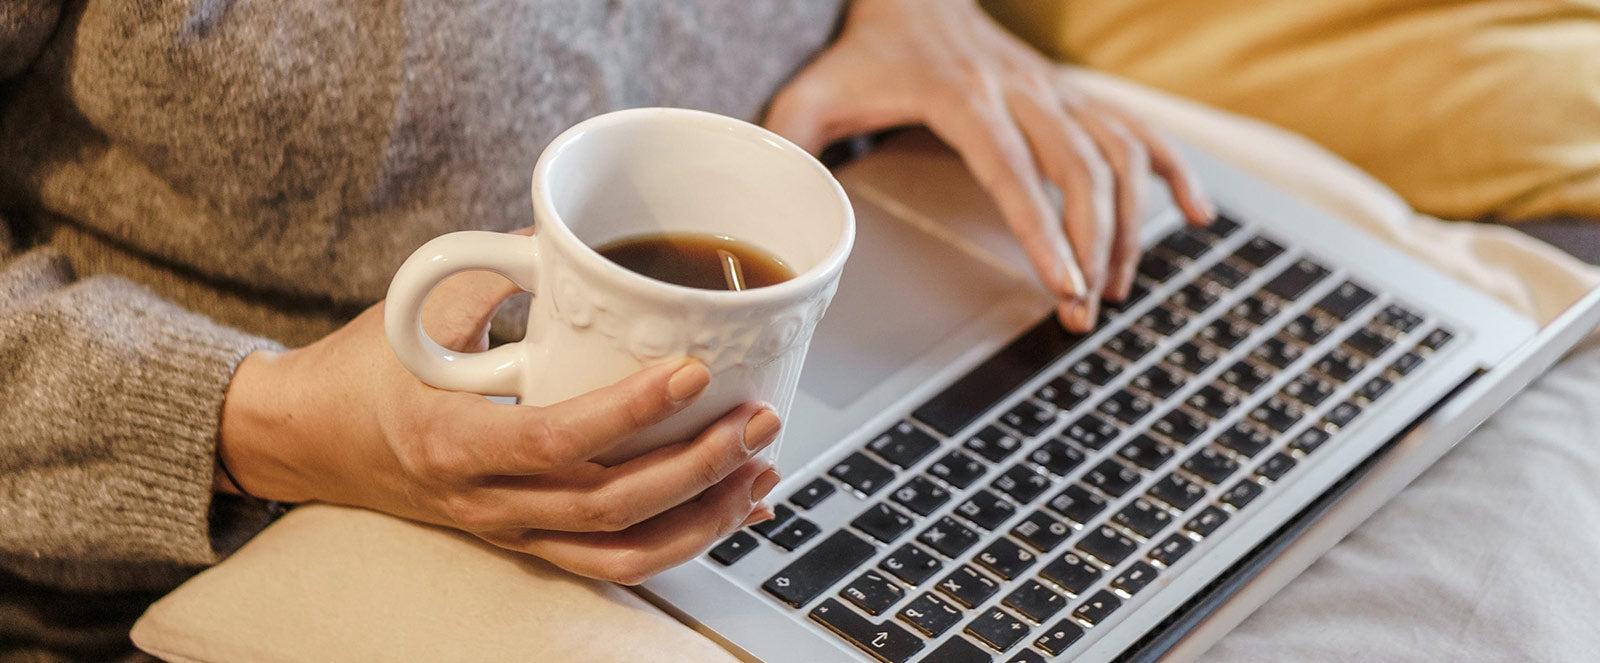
(1012, 541)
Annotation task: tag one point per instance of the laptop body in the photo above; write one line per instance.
(1072, 487)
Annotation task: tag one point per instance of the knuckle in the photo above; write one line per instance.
(604, 513)
(468, 513)
(554, 445)
(628, 567)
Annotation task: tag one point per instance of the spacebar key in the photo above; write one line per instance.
(886, 641)
(817, 570)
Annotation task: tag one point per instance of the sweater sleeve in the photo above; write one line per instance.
(110, 404)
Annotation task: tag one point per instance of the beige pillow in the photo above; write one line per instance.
(1466, 108)
(330, 583)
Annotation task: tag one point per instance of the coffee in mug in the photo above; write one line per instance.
(698, 260)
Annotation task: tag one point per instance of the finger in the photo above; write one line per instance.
(522, 439)
(1168, 164)
(1130, 164)
(637, 553)
(993, 148)
(1069, 157)
(615, 498)
(824, 103)
(457, 313)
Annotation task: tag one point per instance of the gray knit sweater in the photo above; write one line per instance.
(185, 181)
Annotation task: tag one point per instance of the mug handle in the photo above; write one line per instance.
(497, 372)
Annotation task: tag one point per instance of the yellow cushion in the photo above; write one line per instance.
(1470, 108)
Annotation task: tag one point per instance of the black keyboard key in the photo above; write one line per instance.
(886, 641)
(1222, 226)
(872, 592)
(911, 564)
(1065, 393)
(1341, 364)
(1136, 577)
(1130, 345)
(1407, 363)
(1077, 504)
(1096, 368)
(997, 629)
(1276, 466)
(1098, 607)
(1059, 637)
(1091, 431)
(1035, 601)
(1309, 389)
(1223, 276)
(1246, 377)
(958, 469)
(997, 377)
(1177, 491)
(1296, 280)
(920, 495)
(1258, 251)
(1029, 418)
(733, 548)
(1343, 413)
(1162, 321)
(1278, 414)
(1345, 300)
(1225, 333)
(1216, 400)
(903, 445)
(1255, 310)
(968, 587)
(1208, 521)
(993, 444)
(1193, 298)
(812, 494)
(1071, 572)
(1244, 439)
(1125, 406)
(882, 522)
(1107, 545)
(1309, 440)
(986, 510)
(1027, 656)
(1436, 339)
(1172, 549)
(818, 568)
(1145, 451)
(1136, 293)
(956, 650)
(1022, 483)
(1156, 268)
(1057, 457)
(930, 614)
(1374, 389)
(1277, 352)
(1368, 342)
(1006, 559)
(1186, 243)
(1309, 329)
(795, 534)
(1242, 493)
(1399, 318)
(949, 537)
(1159, 381)
(1180, 426)
(1144, 517)
(780, 517)
(864, 474)
(1042, 532)
(1212, 465)
(1192, 357)
(1112, 478)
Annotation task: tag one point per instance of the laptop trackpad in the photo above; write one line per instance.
(903, 290)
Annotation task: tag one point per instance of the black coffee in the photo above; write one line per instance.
(701, 261)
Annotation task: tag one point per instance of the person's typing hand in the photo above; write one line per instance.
(342, 421)
(1017, 123)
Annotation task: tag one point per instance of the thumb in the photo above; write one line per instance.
(457, 312)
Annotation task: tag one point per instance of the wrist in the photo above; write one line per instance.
(255, 443)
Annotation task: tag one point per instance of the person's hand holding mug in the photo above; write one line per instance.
(341, 421)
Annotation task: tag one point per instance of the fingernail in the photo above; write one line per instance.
(760, 514)
(763, 485)
(687, 381)
(761, 430)
(1083, 314)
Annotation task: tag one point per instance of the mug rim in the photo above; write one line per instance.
(818, 275)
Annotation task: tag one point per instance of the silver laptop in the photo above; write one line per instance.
(967, 481)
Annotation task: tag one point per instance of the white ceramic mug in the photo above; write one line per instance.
(592, 322)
